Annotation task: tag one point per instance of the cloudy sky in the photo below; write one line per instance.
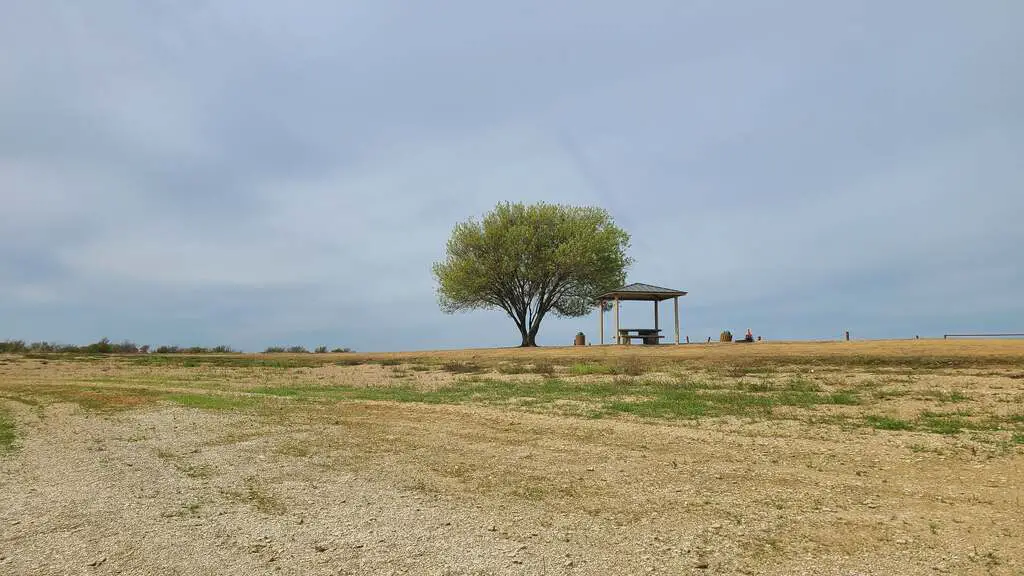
(259, 172)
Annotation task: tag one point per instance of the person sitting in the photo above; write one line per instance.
(749, 337)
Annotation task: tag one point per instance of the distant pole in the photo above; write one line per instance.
(676, 306)
(601, 315)
(655, 314)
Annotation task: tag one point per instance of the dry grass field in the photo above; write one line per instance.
(769, 458)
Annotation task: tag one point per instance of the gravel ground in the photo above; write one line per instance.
(383, 488)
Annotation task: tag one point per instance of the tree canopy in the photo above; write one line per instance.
(531, 260)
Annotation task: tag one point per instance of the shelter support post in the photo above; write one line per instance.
(656, 315)
(601, 315)
(676, 301)
(618, 339)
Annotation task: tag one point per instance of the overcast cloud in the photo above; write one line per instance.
(256, 172)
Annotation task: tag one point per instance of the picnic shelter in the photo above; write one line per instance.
(639, 292)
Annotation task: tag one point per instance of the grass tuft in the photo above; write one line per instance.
(462, 368)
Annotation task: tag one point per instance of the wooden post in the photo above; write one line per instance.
(655, 314)
(676, 301)
(601, 315)
(618, 340)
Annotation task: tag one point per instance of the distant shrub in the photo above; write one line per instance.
(725, 336)
(125, 347)
(298, 350)
(342, 350)
(13, 346)
(102, 347)
(168, 350)
(321, 350)
(274, 350)
(223, 349)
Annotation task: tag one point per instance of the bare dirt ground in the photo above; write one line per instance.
(874, 458)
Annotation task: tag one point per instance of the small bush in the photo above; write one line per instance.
(222, 349)
(342, 350)
(298, 350)
(321, 350)
(274, 350)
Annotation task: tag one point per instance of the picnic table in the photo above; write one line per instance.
(648, 335)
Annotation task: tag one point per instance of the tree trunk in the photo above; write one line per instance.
(529, 339)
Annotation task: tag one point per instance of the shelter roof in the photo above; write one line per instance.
(639, 291)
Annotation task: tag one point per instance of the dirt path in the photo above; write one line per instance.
(377, 488)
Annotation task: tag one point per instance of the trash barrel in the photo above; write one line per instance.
(581, 339)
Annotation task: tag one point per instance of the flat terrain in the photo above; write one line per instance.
(770, 458)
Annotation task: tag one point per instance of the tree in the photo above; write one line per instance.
(532, 260)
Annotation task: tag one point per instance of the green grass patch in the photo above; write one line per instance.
(213, 401)
(8, 433)
(588, 368)
(282, 391)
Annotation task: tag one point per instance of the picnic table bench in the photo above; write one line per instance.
(648, 335)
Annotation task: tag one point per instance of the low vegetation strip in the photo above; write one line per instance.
(665, 384)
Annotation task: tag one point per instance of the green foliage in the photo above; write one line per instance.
(529, 260)
(321, 350)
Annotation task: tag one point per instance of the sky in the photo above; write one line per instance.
(260, 173)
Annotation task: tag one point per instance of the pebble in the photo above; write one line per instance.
(99, 562)
(702, 566)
